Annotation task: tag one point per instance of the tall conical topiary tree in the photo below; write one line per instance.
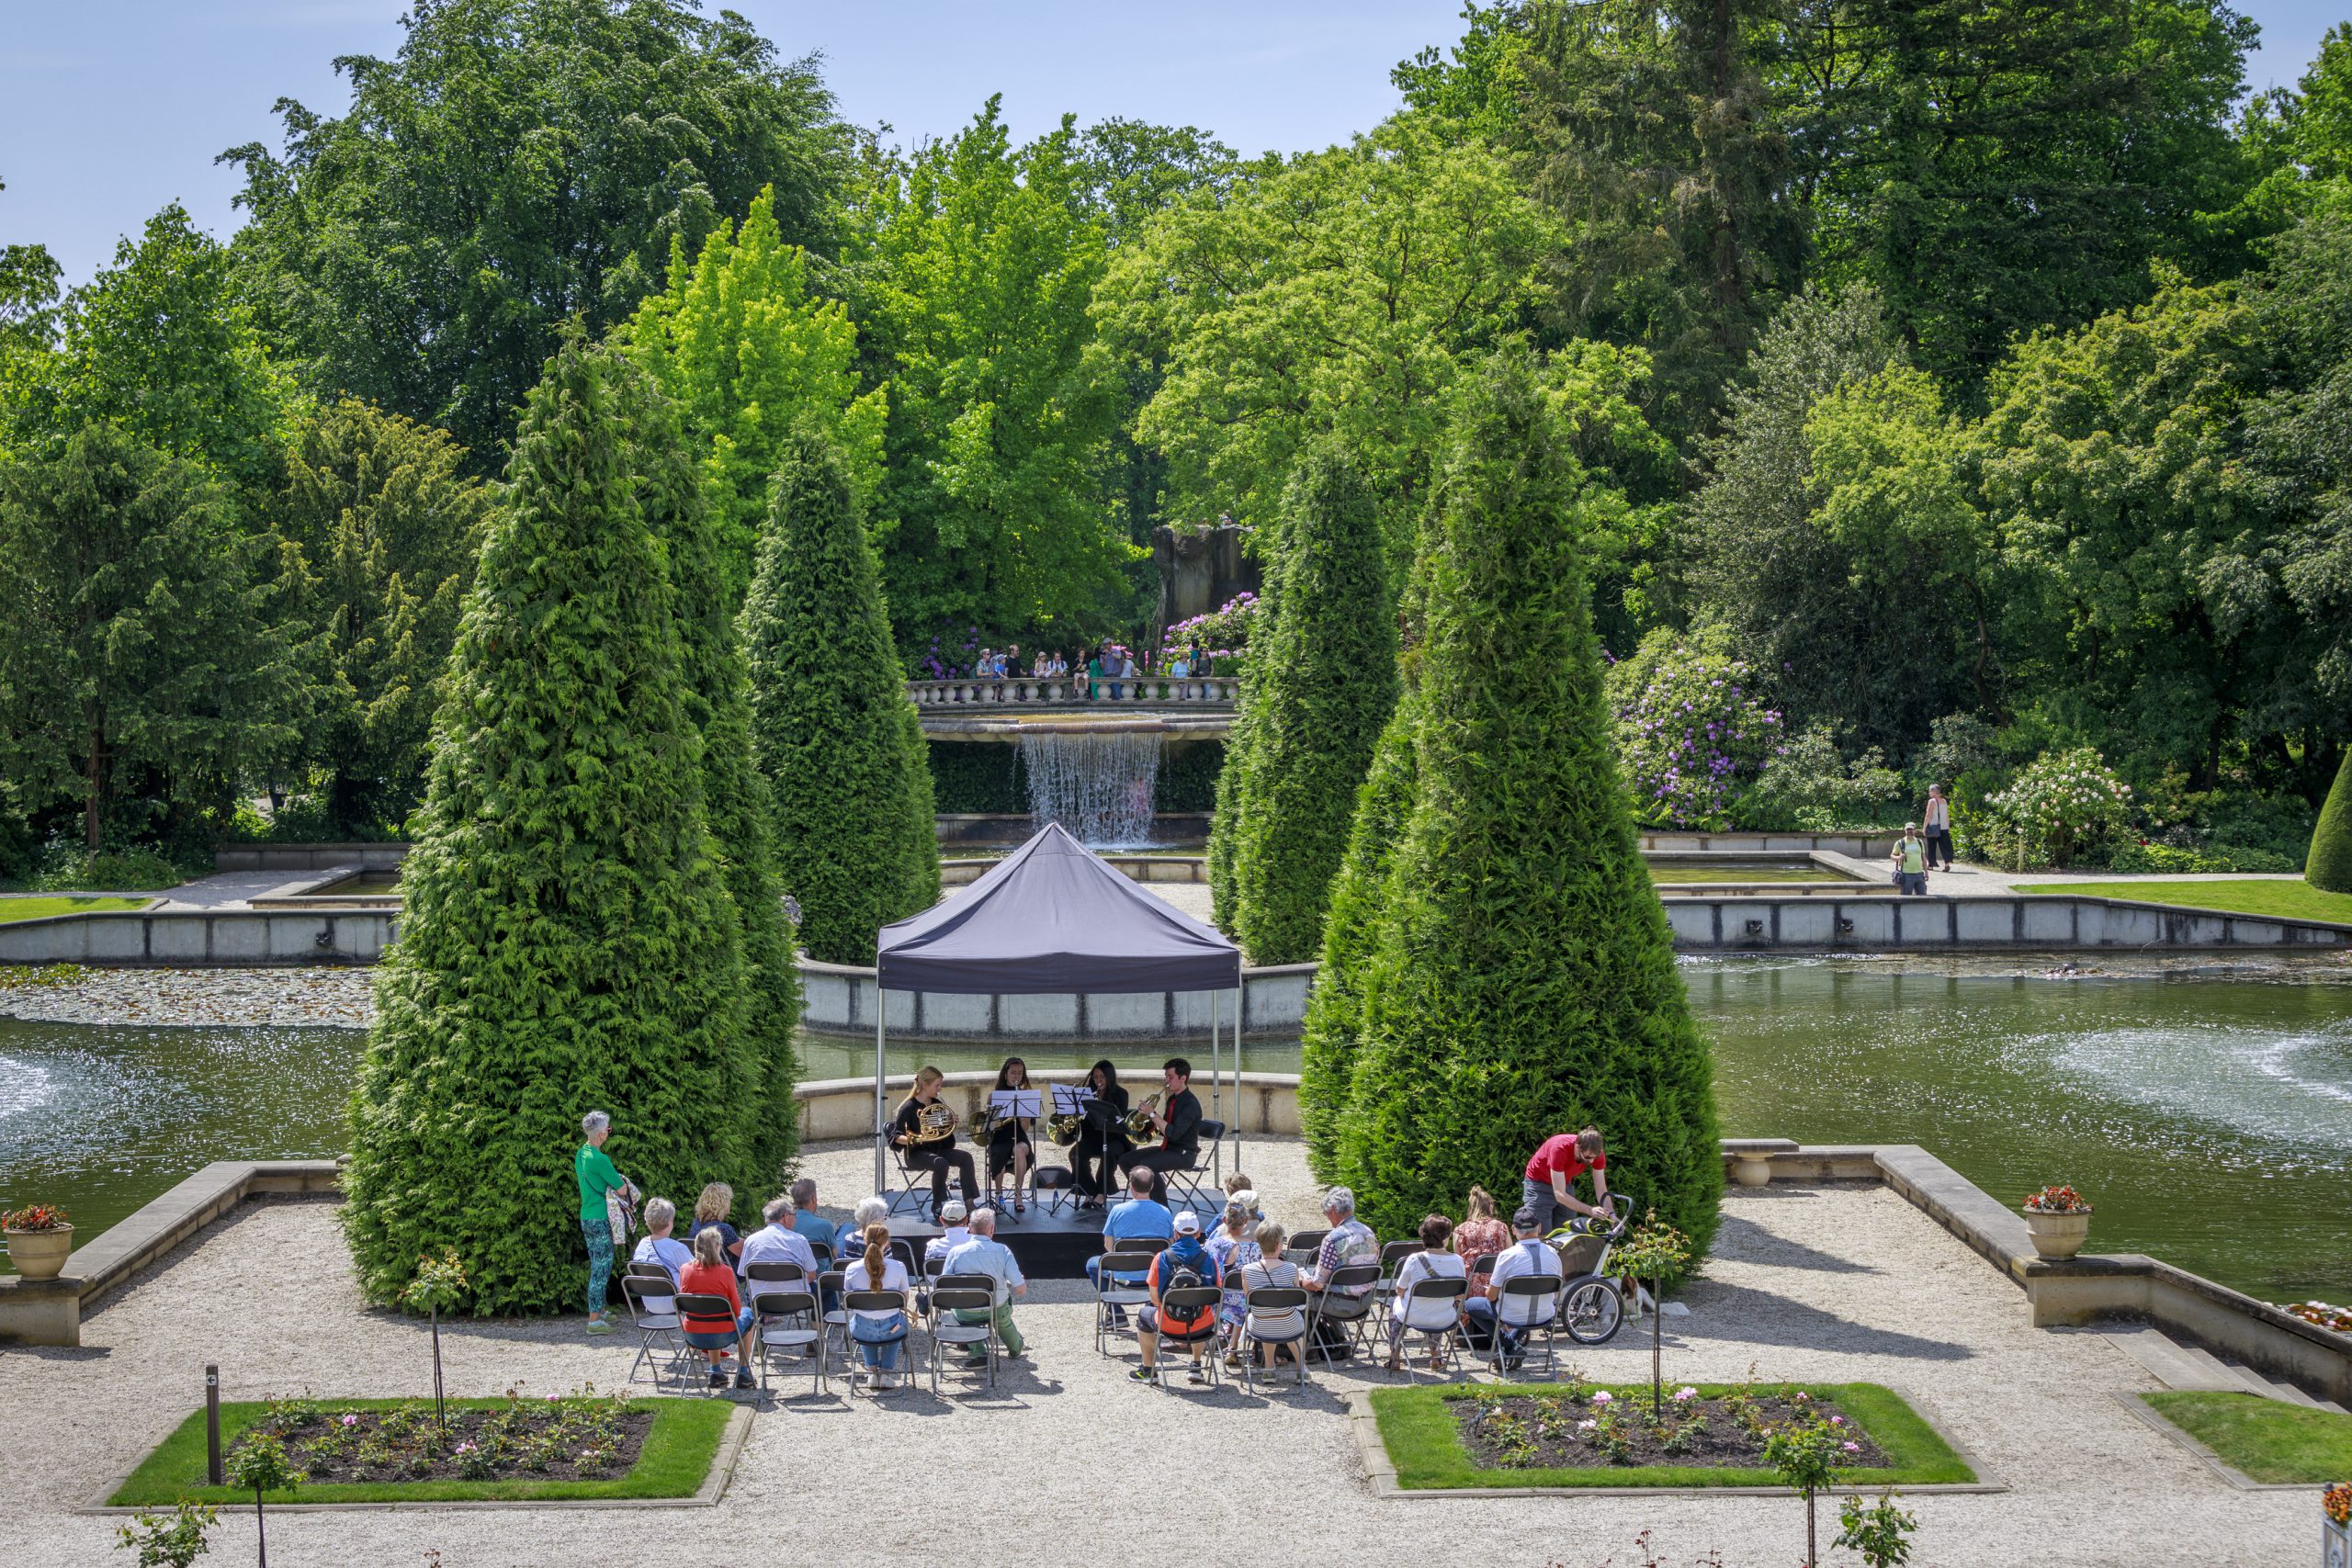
(567, 941)
(1227, 809)
(1524, 983)
(2329, 865)
(831, 728)
(736, 801)
(1327, 683)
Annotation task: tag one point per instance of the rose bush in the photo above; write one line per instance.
(2066, 808)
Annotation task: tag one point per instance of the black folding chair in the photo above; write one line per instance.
(1540, 1294)
(653, 1310)
(873, 1302)
(1192, 1302)
(1446, 1289)
(697, 1304)
(1304, 1244)
(1186, 1182)
(1266, 1303)
(1336, 1304)
(1392, 1254)
(789, 1320)
(1111, 1293)
(957, 1293)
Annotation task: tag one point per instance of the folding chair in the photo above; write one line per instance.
(967, 1293)
(831, 1284)
(1187, 1181)
(1541, 1292)
(1393, 1253)
(696, 1304)
(1303, 1245)
(1057, 1179)
(1109, 1292)
(1439, 1288)
(1267, 1303)
(914, 1186)
(1195, 1301)
(1352, 1314)
(874, 1302)
(646, 1268)
(788, 1320)
(654, 1309)
(780, 1271)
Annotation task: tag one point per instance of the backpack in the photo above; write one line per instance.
(1185, 1276)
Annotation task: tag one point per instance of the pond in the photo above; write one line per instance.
(2207, 1111)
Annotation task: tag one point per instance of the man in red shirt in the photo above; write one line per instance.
(1554, 1170)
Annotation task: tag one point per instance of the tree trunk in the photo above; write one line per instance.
(1658, 1379)
(261, 1531)
(94, 788)
(440, 1405)
(1812, 1556)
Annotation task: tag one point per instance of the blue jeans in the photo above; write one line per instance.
(598, 1234)
(879, 1339)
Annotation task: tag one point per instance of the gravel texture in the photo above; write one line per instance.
(337, 997)
(1830, 1282)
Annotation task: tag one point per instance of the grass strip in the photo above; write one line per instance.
(676, 1457)
(2262, 1440)
(2286, 900)
(40, 906)
(1417, 1428)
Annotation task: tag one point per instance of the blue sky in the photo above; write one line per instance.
(108, 109)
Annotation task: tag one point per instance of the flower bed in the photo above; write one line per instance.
(1573, 1435)
(356, 1451)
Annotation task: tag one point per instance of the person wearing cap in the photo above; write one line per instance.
(1529, 1254)
(1182, 1262)
(1910, 859)
(952, 1217)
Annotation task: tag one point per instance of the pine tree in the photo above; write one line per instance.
(738, 802)
(1325, 685)
(1524, 982)
(568, 941)
(1226, 809)
(831, 728)
(2329, 865)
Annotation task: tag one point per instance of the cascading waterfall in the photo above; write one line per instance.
(1097, 786)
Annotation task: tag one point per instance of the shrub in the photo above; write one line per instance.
(2065, 809)
(1810, 786)
(833, 729)
(568, 940)
(111, 871)
(1325, 684)
(2141, 859)
(1693, 732)
(1223, 635)
(1524, 978)
(2329, 863)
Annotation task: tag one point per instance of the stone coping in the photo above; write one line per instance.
(708, 1496)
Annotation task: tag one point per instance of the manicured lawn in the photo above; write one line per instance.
(1423, 1442)
(2295, 900)
(2262, 1438)
(40, 906)
(676, 1457)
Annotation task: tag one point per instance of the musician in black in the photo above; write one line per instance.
(1011, 1144)
(1101, 1137)
(937, 1156)
(1178, 1123)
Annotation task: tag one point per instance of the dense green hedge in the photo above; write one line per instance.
(833, 728)
(1326, 683)
(568, 940)
(2329, 865)
(1524, 980)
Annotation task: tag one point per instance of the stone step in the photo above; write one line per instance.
(2273, 1388)
(2173, 1364)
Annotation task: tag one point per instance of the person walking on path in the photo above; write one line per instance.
(1938, 821)
(1910, 861)
(605, 1194)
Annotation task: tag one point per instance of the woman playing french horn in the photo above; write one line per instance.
(925, 1133)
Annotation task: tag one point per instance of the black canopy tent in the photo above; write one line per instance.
(1054, 917)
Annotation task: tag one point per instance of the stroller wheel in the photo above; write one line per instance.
(1592, 1311)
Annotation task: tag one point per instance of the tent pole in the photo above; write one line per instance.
(1237, 1077)
(878, 1176)
(1216, 1083)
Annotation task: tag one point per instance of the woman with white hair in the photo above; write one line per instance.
(605, 1194)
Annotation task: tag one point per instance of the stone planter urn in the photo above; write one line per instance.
(2058, 1235)
(41, 1255)
(2335, 1544)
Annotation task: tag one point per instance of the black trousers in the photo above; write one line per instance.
(938, 1163)
(1092, 1158)
(1938, 843)
(1157, 1161)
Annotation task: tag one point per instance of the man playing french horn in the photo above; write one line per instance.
(1177, 1119)
(925, 1133)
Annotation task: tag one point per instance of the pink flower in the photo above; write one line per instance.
(1603, 1397)
(1837, 1420)
(349, 1420)
(1851, 1447)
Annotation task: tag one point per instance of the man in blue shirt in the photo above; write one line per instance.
(814, 1229)
(1137, 1219)
(983, 1254)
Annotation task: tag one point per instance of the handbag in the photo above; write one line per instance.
(618, 1211)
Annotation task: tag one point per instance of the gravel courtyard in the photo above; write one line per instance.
(1831, 1282)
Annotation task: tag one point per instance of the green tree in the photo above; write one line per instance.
(389, 523)
(1325, 684)
(971, 281)
(516, 163)
(259, 1462)
(831, 728)
(568, 940)
(1526, 977)
(2329, 865)
(746, 351)
(143, 648)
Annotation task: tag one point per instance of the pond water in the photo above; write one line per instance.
(2206, 1110)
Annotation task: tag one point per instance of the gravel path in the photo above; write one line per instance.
(1843, 1283)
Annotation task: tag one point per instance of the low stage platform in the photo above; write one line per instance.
(1046, 1244)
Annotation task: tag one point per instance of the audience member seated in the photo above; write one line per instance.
(1273, 1271)
(1528, 1254)
(777, 1242)
(1350, 1241)
(711, 1274)
(1183, 1264)
(983, 1254)
(1482, 1235)
(955, 1233)
(878, 1335)
(1137, 1219)
(816, 1230)
(1432, 1263)
(1235, 1248)
(657, 1246)
(717, 1200)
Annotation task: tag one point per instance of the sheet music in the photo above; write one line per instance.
(1014, 1102)
(1069, 1099)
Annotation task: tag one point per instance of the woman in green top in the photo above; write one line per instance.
(598, 1178)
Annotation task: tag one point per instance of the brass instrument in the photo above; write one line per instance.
(1064, 1130)
(936, 1125)
(1139, 1120)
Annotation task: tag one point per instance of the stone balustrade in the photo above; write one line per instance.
(1211, 692)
